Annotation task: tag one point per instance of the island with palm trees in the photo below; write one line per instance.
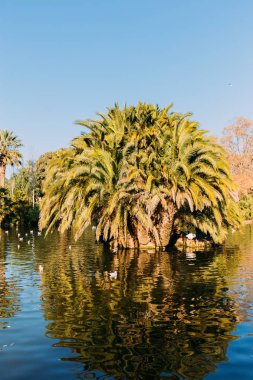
(140, 175)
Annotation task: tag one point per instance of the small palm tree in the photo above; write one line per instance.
(9, 152)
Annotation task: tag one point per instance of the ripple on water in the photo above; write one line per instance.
(130, 315)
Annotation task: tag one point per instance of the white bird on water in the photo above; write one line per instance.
(113, 274)
(190, 236)
(41, 268)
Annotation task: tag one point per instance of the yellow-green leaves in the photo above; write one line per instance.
(135, 174)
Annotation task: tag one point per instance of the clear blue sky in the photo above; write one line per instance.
(63, 60)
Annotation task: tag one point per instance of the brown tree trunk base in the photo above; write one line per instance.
(2, 175)
(159, 238)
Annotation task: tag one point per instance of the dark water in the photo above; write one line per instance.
(81, 313)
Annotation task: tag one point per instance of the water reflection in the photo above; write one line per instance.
(9, 290)
(138, 315)
(130, 315)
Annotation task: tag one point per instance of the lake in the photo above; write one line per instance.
(71, 310)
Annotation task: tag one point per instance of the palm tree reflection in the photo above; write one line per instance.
(9, 292)
(139, 314)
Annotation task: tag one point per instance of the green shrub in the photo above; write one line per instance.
(246, 206)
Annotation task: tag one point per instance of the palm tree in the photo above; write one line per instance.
(135, 174)
(9, 152)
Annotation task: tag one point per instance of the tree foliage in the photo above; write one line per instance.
(40, 170)
(9, 152)
(23, 183)
(22, 192)
(5, 204)
(246, 206)
(136, 174)
(238, 142)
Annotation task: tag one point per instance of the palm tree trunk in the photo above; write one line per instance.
(144, 238)
(129, 243)
(158, 238)
(2, 175)
(166, 224)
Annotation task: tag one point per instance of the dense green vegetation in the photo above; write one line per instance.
(140, 175)
(18, 200)
(9, 153)
(19, 196)
(137, 175)
(246, 206)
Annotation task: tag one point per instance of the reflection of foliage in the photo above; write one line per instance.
(246, 205)
(8, 290)
(146, 320)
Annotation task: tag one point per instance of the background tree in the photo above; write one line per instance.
(40, 170)
(9, 152)
(23, 192)
(238, 142)
(23, 185)
(5, 204)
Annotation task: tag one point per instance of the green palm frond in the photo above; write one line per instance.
(132, 166)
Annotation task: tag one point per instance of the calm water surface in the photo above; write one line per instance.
(73, 311)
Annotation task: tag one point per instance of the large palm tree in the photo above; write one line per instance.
(135, 175)
(9, 152)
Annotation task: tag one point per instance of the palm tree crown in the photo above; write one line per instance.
(136, 174)
(9, 152)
